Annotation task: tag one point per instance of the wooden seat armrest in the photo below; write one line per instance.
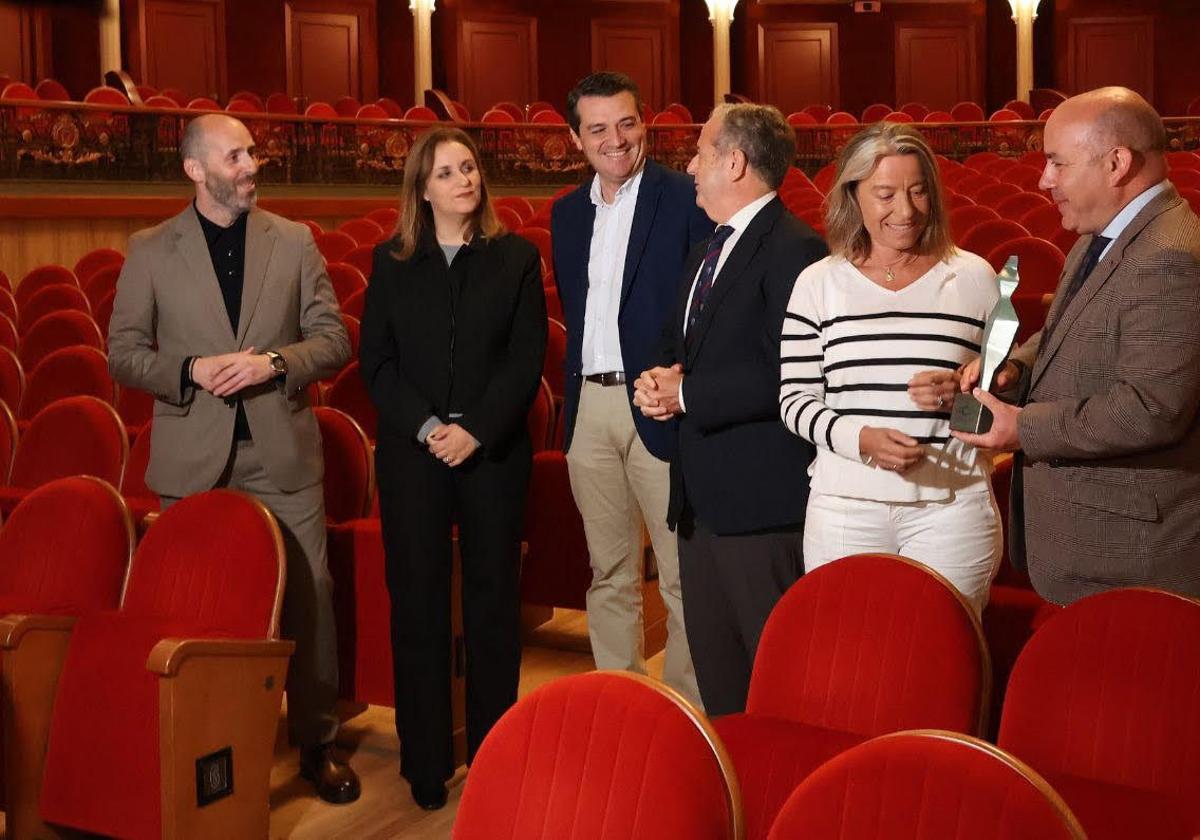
(1048, 298)
(168, 656)
(14, 627)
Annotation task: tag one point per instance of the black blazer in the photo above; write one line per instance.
(737, 466)
(667, 224)
(469, 337)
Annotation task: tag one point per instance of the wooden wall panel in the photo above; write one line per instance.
(182, 45)
(936, 65)
(642, 49)
(1111, 51)
(497, 58)
(798, 64)
(331, 50)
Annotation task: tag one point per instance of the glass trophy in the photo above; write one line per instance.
(970, 415)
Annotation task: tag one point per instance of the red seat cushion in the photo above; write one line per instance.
(362, 610)
(771, 757)
(106, 721)
(1117, 812)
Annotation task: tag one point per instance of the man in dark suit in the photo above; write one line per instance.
(1106, 482)
(225, 314)
(739, 481)
(619, 243)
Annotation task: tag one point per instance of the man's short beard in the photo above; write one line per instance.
(225, 193)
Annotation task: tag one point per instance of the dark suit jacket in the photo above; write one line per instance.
(169, 307)
(1110, 433)
(666, 224)
(466, 338)
(737, 466)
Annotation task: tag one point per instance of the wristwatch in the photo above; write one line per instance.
(278, 364)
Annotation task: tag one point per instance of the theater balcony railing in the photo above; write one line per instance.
(63, 141)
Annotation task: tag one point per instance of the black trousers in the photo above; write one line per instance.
(420, 500)
(730, 585)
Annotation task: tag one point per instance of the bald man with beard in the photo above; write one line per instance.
(225, 314)
(1106, 480)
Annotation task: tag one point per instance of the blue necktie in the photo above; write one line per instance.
(708, 271)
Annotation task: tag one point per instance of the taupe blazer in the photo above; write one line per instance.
(169, 306)
(1109, 432)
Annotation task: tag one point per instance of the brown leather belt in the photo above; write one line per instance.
(613, 377)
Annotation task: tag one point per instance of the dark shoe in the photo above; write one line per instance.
(335, 781)
(431, 797)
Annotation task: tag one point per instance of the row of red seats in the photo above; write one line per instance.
(1100, 708)
(916, 112)
(118, 652)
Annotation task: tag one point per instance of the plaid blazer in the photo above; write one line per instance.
(1109, 433)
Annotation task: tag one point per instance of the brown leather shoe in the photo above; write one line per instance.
(335, 781)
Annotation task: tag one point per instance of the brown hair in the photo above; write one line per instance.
(416, 216)
(844, 229)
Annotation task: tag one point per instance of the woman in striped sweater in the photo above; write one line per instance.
(872, 341)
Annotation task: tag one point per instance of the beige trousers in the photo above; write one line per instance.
(617, 484)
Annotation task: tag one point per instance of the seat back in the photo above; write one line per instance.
(1106, 690)
(133, 484)
(349, 466)
(86, 265)
(1016, 206)
(334, 245)
(224, 581)
(70, 372)
(554, 366)
(363, 231)
(362, 258)
(925, 785)
(101, 283)
(559, 765)
(8, 333)
(56, 331)
(9, 435)
(65, 549)
(988, 235)
(386, 218)
(519, 203)
(540, 419)
(345, 279)
(1040, 263)
(349, 393)
(540, 237)
(73, 436)
(869, 644)
(51, 299)
(37, 279)
(12, 379)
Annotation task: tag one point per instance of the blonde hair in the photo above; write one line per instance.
(416, 216)
(845, 232)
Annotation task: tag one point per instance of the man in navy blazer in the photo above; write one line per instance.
(739, 486)
(620, 241)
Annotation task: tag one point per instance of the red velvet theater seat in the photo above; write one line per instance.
(73, 436)
(540, 420)
(41, 277)
(349, 466)
(56, 331)
(56, 298)
(866, 645)
(1103, 703)
(69, 372)
(64, 552)
(600, 755)
(191, 665)
(141, 499)
(557, 569)
(349, 394)
(925, 785)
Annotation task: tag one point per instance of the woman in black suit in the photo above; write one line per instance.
(453, 334)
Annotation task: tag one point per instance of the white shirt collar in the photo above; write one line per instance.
(740, 220)
(629, 187)
(1121, 221)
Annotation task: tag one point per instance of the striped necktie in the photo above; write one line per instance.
(708, 271)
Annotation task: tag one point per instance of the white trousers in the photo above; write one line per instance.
(958, 538)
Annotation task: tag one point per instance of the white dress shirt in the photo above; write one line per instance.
(606, 272)
(739, 221)
(1121, 221)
